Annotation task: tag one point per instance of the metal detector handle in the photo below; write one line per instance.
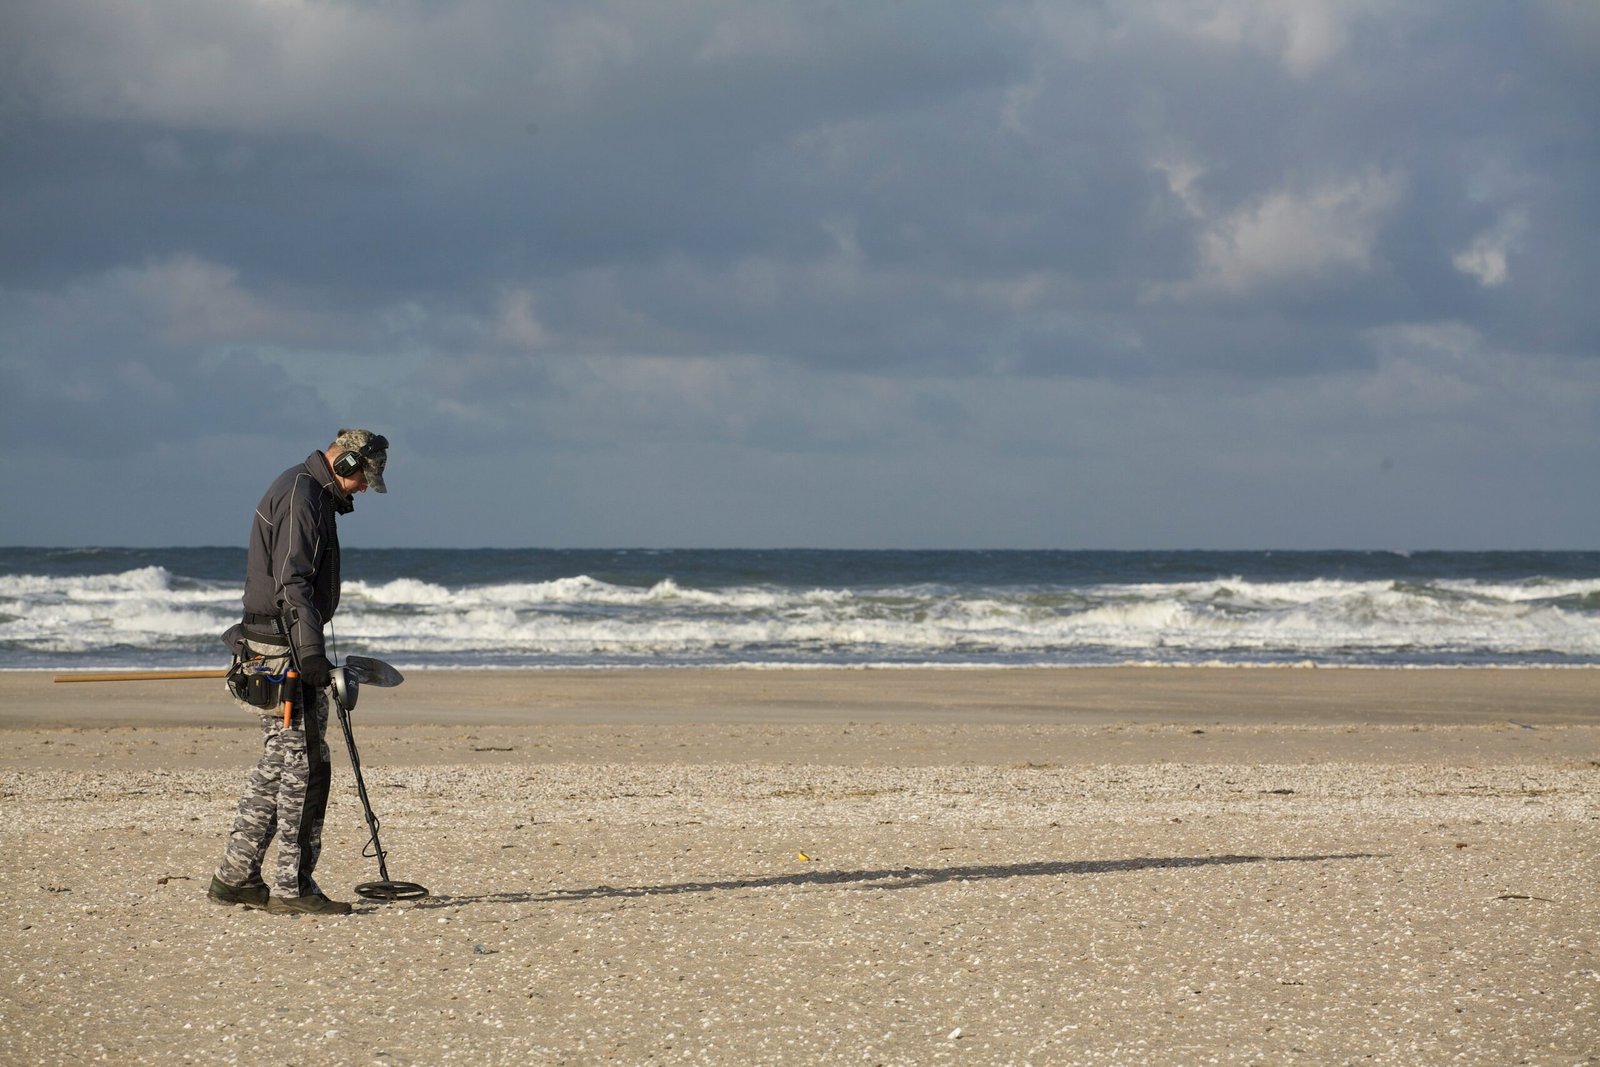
(286, 620)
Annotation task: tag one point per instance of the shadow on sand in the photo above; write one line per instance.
(888, 878)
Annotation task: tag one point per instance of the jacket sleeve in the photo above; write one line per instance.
(299, 549)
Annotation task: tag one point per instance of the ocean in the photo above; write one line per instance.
(164, 608)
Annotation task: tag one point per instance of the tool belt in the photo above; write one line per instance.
(252, 682)
(261, 661)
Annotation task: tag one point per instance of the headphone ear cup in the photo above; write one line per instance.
(347, 464)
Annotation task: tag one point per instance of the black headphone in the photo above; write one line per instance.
(352, 460)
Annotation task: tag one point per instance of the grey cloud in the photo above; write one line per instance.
(844, 232)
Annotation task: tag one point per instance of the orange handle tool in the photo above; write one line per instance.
(293, 680)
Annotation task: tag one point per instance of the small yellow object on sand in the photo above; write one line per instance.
(803, 858)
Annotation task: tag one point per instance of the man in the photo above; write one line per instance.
(291, 589)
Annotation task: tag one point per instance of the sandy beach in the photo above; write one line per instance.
(832, 866)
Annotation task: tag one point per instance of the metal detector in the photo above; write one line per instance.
(346, 683)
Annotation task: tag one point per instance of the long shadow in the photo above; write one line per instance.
(890, 878)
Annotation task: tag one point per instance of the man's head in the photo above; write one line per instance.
(358, 458)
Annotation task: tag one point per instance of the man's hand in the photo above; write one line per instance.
(315, 670)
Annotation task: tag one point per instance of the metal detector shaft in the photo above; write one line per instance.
(361, 788)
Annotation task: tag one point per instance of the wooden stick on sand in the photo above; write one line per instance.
(139, 676)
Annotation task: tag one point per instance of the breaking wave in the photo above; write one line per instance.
(156, 614)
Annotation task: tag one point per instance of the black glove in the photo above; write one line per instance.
(315, 670)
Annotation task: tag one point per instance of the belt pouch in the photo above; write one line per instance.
(262, 690)
(253, 685)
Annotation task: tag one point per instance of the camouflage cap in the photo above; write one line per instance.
(373, 448)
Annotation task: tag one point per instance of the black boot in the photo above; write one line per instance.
(251, 896)
(312, 904)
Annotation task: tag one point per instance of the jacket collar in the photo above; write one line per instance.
(317, 466)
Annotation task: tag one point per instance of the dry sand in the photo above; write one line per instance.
(1048, 867)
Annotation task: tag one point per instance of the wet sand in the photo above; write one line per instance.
(1076, 866)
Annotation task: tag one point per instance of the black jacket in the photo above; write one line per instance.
(292, 566)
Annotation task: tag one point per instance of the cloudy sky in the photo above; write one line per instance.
(1127, 273)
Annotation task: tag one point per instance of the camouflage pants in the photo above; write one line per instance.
(285, 796)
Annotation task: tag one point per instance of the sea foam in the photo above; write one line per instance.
(153, 614)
